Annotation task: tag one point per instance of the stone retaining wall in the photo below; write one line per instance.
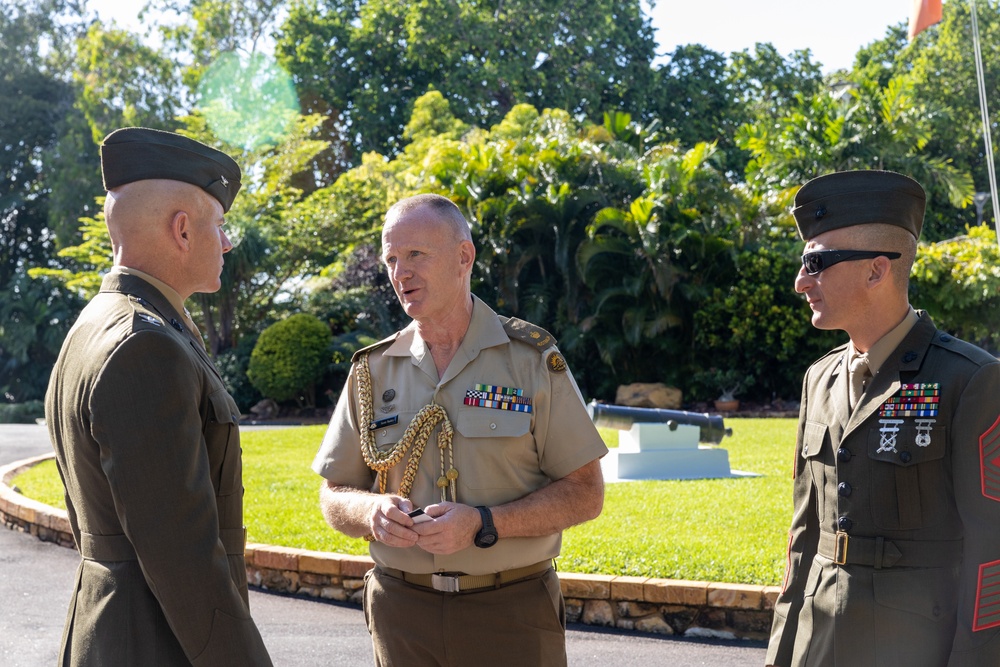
(661, 606)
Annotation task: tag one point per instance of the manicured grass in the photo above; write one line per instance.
(731, 530)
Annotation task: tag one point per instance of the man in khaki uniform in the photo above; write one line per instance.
(475, 420)
(145, 434)
(894, 549)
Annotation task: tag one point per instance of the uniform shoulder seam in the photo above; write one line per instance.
(373, 346)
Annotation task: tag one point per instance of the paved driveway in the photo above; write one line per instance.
(36, 578)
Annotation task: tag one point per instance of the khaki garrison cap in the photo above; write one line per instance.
(848, 198)
(139, 153)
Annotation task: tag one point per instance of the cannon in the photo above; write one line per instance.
(621, 417)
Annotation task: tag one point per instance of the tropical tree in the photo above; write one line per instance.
(650, 264)
(866, 127)
(367, 62)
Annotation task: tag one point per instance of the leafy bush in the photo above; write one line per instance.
(958, 282)
(760, 327)
(289, 357)
(21, 413)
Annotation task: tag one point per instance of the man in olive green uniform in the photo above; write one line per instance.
(894, 549)
(145, 434)
(475, 420)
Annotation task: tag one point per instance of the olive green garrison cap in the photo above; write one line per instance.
(848, 198)
(140, 153)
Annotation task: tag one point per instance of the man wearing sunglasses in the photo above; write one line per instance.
(894, 548)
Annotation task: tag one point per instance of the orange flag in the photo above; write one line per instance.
(925, 14)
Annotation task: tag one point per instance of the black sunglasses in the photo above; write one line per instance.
(814, 262)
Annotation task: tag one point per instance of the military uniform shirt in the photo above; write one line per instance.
(501, 455)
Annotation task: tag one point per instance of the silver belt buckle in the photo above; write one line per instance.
(445, 583)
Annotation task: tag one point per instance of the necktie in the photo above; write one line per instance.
(860, 373)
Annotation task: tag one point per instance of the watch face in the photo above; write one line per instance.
(488, 539)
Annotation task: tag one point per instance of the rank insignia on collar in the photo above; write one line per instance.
(149, 319)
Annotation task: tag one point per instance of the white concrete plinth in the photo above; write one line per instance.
(650, 437)
(662, 451)
(697, 463)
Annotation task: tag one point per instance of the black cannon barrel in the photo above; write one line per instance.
(622, 417)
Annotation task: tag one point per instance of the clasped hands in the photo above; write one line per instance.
(452, 529)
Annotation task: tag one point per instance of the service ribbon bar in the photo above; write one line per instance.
(494, 389)
(492, 396)
(486, 399)
(914, 400)
(889, 412)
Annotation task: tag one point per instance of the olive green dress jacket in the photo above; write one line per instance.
(147, 443)
(894, 549)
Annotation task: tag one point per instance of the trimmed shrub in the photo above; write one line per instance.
(289, 357)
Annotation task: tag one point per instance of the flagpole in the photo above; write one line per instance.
(984, 111)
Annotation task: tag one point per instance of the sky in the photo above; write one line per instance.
(832, 31)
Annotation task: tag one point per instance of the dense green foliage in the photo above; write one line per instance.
(731, 530)
(289, 357)
(639, 211)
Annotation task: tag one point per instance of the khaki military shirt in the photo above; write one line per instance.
(501, 455)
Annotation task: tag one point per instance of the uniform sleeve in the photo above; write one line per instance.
(566, 436)
(976, 468)
(803, 537)
(147, 419)
(339, 458)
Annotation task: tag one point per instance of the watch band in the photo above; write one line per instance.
(487, 535)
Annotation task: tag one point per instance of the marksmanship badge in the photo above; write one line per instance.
(889, 431)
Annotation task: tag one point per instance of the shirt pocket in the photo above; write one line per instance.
(222, 440)
(909, 480)
(818, 455)
(498, 450)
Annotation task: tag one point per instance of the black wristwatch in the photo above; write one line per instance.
(487, 535)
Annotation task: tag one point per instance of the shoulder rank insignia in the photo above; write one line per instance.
(987, 589)
(556, 363)
(526, 332)
(989, 456)
(149, 319)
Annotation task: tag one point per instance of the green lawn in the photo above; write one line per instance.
(731, 530)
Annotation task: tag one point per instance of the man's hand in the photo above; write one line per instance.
(453, 528)
(389, 522)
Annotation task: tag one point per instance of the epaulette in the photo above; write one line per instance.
(973, 353)
(373, 346)
(526, 332)
(536, 337)
(145, 316)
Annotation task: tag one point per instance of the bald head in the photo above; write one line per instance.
(138, 214)
(168, 229)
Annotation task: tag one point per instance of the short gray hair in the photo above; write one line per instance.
(442, 207)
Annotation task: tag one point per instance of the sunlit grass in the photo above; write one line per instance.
(731, 530)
